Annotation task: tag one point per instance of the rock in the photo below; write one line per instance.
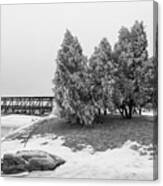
(13, 164)
(150, 148)
(152, 154)
(41, 164)
(29, 160)
(134, 147)
(143, 153)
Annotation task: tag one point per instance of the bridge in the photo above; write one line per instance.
(27, 105)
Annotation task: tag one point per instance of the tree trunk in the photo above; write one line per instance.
(121, 112)
(140, 111)
(130, 112)
(126, 113)
(99, 112)
(105, 112)
(134, 111)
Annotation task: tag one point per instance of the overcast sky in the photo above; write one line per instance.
(32, 34)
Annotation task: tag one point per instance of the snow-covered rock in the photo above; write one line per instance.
(29, 160)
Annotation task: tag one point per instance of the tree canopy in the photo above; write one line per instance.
(71, 87)
(131, 58)
(122, 78)
(100, 68)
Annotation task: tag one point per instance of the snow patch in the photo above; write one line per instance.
(119, 163)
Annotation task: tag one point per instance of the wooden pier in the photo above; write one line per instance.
(27, 105)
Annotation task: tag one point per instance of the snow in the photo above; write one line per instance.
(10, 123)
(119, 163)
(148, 113)
(17, 120)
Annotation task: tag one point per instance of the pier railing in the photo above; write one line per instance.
(27, 105)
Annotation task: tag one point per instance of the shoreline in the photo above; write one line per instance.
(131, 160)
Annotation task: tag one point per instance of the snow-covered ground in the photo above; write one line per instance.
(119, 163)
(148, 113)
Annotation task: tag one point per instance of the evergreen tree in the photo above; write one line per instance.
(101, 67)
(130, 57)
(140, 62)
(150, 84)
(71, 88)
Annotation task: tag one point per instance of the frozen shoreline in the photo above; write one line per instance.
(119, 163)
(17, 120)
(9, 123)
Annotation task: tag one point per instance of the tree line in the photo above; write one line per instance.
(119, 79)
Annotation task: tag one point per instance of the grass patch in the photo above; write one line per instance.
(112, 133)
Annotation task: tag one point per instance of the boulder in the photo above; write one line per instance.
(11, 163)
(29, 160)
